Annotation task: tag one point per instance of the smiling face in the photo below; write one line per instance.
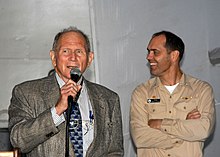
(158, 57)
(70, 52)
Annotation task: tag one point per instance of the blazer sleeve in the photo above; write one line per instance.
(28, 128)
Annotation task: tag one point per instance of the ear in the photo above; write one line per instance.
(53, 58)
(175, 55)
(90, 58)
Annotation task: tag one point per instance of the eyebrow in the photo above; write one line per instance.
(152, 49)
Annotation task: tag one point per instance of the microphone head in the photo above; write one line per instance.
(75, 74)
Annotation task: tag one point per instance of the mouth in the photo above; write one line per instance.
(153, 64)
(71, 67)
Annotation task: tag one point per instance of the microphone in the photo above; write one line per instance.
(75, 75)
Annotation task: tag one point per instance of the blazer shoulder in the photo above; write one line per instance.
(36, 83)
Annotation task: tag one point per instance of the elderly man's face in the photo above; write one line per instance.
(70, 53)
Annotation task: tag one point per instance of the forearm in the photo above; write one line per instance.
(194, 129)
(30, 119)
(27, 134)
(190, 130)
(146, 137)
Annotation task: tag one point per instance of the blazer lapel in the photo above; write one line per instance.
(99, 109)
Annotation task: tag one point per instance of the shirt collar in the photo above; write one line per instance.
(183, 81)
(59, 80)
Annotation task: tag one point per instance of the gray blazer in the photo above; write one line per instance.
(33, 130)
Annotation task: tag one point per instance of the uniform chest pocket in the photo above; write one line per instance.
(155, 110)
(184, 107)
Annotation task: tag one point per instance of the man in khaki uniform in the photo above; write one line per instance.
(173, 113)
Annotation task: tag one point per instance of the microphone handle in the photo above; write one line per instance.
(68, 111)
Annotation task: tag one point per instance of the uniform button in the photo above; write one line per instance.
(168, 155)
(184, 107)
(153, 110)
(169, 111)
(165, 129)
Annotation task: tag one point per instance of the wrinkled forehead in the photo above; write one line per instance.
(72, 37)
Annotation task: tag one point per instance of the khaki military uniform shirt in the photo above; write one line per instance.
(178, 137)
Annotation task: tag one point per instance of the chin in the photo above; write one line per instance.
(154, 73)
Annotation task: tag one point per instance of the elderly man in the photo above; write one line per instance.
(38, 109)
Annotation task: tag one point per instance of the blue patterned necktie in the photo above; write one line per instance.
(75, 130)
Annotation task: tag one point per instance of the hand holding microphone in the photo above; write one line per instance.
(69, 91)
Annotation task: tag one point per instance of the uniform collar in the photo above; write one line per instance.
(184, 81)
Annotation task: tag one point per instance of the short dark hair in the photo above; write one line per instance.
(173, 42)
(71, 29)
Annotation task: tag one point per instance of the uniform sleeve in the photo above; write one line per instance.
(195, 129)
(144, 136)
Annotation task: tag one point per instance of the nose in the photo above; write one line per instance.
(73, 56)
(149, 56)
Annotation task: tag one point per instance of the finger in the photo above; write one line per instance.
(70, 86)
(66, 91)
(195, 113)
(194, 116)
